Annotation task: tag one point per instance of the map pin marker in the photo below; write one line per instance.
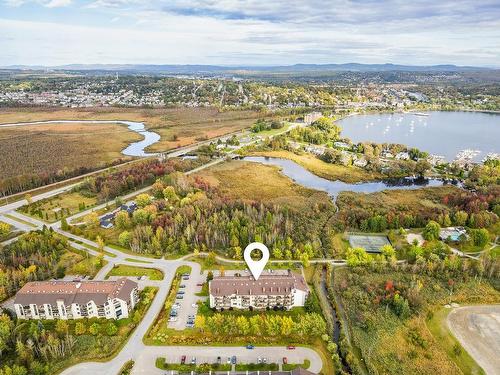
(256, 266)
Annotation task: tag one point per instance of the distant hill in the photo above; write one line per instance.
(214, 69)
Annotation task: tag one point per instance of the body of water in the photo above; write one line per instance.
(439, 133)
(305, 178)
(133, 149)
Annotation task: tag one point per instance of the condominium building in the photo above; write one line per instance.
(269, 291)
(75, 299)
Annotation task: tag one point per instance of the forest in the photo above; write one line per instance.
(449, 206)
(186, 214)
(34, 256)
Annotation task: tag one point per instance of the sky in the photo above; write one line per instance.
(249, 32)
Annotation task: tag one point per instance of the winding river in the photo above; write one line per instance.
(305, 178)
(133, 149)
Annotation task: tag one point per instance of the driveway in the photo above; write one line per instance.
(478, 330)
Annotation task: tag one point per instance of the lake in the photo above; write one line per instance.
(440, 133)
(305, 178)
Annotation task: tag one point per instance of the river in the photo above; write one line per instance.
(305, 178)
(439, 133)
(133, 149)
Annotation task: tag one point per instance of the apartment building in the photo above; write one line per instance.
(75, 299)
(269, 291)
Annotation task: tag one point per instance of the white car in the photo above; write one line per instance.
(194, 305)
(172, 319)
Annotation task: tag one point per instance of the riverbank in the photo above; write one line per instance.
(322, 169)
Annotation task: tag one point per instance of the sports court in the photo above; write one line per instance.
(371, 243)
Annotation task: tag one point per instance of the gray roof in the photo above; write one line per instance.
(49, 292)
(266, 285)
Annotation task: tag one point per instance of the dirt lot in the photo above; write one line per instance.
(478, 330)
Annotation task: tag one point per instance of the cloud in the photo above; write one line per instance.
(257, 32)
(57, 3)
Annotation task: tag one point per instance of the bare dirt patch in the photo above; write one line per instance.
(478, 330)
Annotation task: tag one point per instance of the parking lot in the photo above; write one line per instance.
(187, 305)
(235, 355)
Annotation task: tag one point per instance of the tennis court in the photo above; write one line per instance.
(371, 243)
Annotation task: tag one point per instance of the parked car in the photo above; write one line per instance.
(185, 278)
(264, 360)
(183, 359)
(229, 360)
(259, 360)
(285, 360)
(233, 360)
(179, 296)
(182, 286)
(181, 292)
(219, 360)
(290, 347)
(194, 305)
(193, 361)
(199, 284)
(250, 346)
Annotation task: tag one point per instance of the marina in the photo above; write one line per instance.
(462, 136)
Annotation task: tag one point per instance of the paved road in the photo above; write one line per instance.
(478, 330)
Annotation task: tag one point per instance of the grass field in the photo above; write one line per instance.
(50, 148)
(124, 270)
(188, 125)
(323, 169)
(54, 208)
(419, 343)
(253, 181)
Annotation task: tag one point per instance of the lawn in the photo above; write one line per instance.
(326, 170)
(125, 270)
(55, 208)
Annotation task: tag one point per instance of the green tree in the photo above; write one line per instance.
(94, 329)
(431, 231)
(62, 327)
(122, 220)
(143, 200)
(91, 220)
(64, 224)
(111, 329)
(124, 238)
(4, 229)
(80, 328)
(357, 257)
(480, 237)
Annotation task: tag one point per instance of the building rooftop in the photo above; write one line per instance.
(267, 284)
(40, 292)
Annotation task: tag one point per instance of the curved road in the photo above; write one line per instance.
(145, 356)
